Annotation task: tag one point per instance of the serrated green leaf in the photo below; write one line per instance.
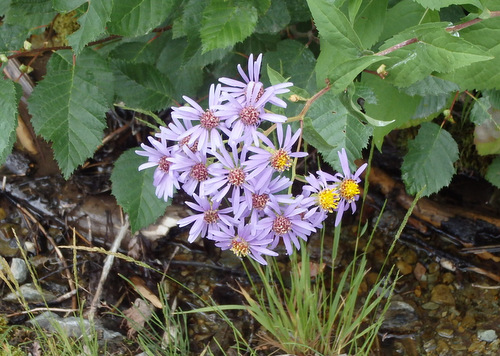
(431, 86)
(68, 107)
(369, 23)
(493, 172)
(30, 13)
(275, 19)
(189, 23)
(299, 11)
(481, 111)
(482, 75)
(295, 61)
(429, 105)
(134, 191)
(329, 127)
(406, 14)
(92, 24)
(226, 22)
(4, 6)
(436, 50)
(429, 161)
(390, 104)
(438, 4)
(138, 17)
(145, 49)
(343, 74)
(154, 87)
(67, 5)
(12, 37)
(9, 101)
(487, 134)
(262, 5)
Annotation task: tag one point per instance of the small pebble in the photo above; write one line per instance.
(404, 267)
(487, 335)
(441, 294)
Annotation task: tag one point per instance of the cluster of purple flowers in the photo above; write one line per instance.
(234, 173)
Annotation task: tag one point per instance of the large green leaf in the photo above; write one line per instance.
(431, 86)
(438, 4)
(275, 19)
(134, 191)
(435, 50)
(69, 105)
(369, 22)
(30, 13)
(138, 17)
(330, 126)
(493, 172)
(482, 75)
(226, 22)
(389, 104)
(142, 85)
(12, 37)
(9, 100)
(67, 5)
(92, 24)
(429, 161)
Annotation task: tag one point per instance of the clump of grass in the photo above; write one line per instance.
(318, 316)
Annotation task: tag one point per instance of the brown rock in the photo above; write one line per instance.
(441, 294)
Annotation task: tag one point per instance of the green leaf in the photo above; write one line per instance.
(431, 86)
(92, 24)
(429, 161)
(482, 75)
(436, 50)
(134, 191)
(343, 74)
(137, 17)
(406, 14)
(68, 107)
(481, 111)
(275, 19)
(226, 22)
(430, 104)
(142, 85)
(262, 5)
(487, 134)
(67, 5)
(30, 13)
(438, 4)
(493, 172)
(389, 104)
(294, 61)
(369, 23)
(9, 101)
(4, 6)
(330, 126)
(299, 11)
(12, 37)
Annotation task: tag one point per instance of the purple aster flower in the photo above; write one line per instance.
(209, 219)
(348, 187)
(322, 190)
(262, 191)
(243, 118)
(280, 159)
(193, 169)
(207, 133)
(230, 173)
(243, 242)
(238, 89)
(285, 221)
(165, 178)
(175, 130)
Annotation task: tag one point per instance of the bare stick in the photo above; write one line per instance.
(108, 262)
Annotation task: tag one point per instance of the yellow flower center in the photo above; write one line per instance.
(349, 190)
(240, 247)
(328, 199)
(280, 160)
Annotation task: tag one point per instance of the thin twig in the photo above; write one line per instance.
(108, 262)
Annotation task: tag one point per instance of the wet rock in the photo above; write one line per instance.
(31, 294)
(8, 243)
(74, 327)
(19, 269)
(404, 267)
(441, 294)
(487, 335)
(400, 319)
(444, 332)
